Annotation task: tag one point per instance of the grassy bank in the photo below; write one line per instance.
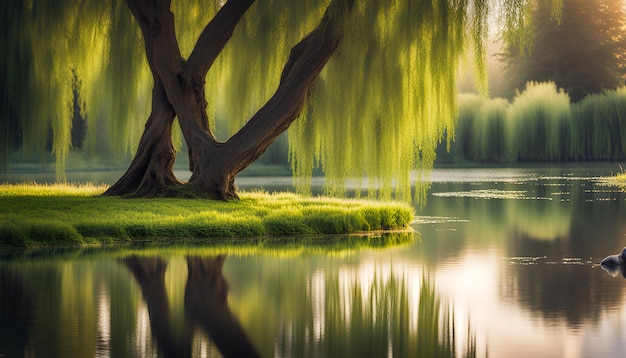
(68, 215)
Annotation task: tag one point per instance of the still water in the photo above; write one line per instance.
(503, 263)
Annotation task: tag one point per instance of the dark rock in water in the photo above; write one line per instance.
(615, 260)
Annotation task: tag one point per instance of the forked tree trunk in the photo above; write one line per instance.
(179, 92)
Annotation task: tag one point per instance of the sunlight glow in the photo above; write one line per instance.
(143, 333)
(103, 329)
(317, 294)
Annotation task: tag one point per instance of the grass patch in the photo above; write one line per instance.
(33, 215)
(618, 180)
(615, 180)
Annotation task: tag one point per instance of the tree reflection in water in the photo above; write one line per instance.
(205, 306)
(381, 315)
(341, 315)
(172, 303)
(14, 308)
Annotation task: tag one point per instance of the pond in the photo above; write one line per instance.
(503, 263)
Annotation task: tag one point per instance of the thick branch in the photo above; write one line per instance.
(186, 90)
(306, 61)
(163, 53)
(151, 17)
(151, 168)
(216, 35)
(185, 94)
(210, 44)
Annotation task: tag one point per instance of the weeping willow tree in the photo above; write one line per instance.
(373, 83)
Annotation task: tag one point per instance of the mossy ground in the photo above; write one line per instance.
(33, 215)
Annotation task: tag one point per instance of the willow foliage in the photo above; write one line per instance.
(388, 97)
(378, 110)
(52, 40)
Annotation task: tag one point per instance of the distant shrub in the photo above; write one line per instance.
(601, 123)
(540, 124)
(489, 128)
(469, 105)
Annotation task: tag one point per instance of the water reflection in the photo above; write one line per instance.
(615, 270)
(205, 306)
(615, 264)
(370, 310)
(168, 303)
(14, 307)
(530, 253)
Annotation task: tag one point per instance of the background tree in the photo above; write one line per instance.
(583, 53)
(377, 109)
(78, 115)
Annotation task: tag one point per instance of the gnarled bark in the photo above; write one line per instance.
(179, 91)
(150, 173)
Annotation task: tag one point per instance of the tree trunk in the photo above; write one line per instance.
(179, 91)
(150, 173)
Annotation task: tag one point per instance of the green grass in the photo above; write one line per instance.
(618, 179)
(33, 215)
